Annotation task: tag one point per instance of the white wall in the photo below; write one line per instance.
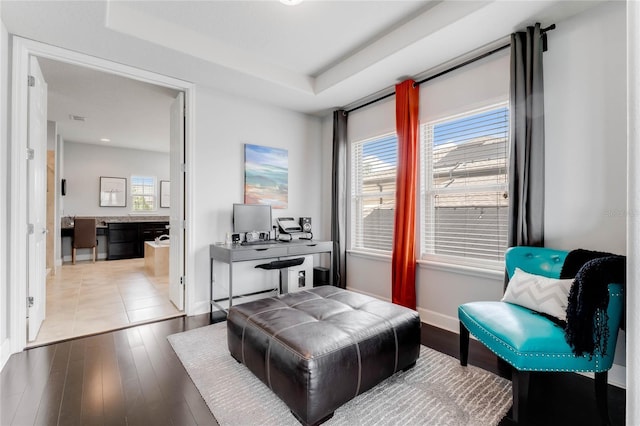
(585, 106)
(224, 123)
(633, 218)
(585, 103)
(4, 176)
(83, 164)
(585, 120)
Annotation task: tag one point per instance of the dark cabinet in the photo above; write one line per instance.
(152, 230)
(125, 240)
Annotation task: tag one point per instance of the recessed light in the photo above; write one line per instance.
(291, 2)
(105, 140)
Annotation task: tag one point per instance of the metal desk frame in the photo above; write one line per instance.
(232, 253)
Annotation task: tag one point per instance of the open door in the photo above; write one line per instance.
(176, 218)
(36, 198)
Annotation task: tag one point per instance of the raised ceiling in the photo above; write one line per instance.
(311, 58)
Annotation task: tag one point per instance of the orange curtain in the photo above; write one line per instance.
(403, 258)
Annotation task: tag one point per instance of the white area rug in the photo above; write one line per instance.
(437, 391)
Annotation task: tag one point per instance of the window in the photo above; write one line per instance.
(373, 192)
(464, 186)
(143, 193)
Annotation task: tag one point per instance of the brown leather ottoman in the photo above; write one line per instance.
(317, 349)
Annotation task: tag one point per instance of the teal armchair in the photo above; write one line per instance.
(529, 341)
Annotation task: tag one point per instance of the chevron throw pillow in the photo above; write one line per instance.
(538, 293)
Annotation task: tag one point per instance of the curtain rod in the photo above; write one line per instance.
(448, 70)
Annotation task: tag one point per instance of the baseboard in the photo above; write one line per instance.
(439, 320)
(617, 376)
(617, 373)
(377, 296)
(80, 257)
(203, 307)
(5, 352)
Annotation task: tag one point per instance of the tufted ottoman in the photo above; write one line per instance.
(317, 349)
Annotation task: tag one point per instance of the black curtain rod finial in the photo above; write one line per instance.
(543, 32)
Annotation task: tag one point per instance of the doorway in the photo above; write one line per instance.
(24, 49)
(105, 125)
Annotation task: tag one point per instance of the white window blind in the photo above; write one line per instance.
(464, 185)
(143, 192)
(373, 192)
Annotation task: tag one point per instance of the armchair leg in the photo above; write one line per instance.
(602, 397)
(464, 345)
(520, 387)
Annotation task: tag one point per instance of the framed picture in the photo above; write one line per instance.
(165, 193)
(113, 192)
(266, 176)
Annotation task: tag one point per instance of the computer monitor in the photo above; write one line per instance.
(251, 217)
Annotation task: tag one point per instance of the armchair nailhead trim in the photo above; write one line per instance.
(597, 368)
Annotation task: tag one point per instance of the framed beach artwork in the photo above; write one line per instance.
(165, 193)
(266, 176)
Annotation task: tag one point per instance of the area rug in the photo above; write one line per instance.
(437, 391)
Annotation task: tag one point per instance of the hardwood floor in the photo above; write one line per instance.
(133, 377)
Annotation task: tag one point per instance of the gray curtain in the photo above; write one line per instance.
(339, 198)
(526, 169)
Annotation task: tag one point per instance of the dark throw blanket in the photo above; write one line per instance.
(593, 272)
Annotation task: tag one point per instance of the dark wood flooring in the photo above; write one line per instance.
(133, 377)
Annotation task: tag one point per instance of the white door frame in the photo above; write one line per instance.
(22, 50)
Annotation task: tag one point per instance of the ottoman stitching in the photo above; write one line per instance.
(249, 319)
(305, 301)
(273, 336)
(395, 334)
(257, 327)
(359, 366)
(333, 294)
(267, 366)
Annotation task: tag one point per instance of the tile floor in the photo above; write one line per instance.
(88, 298)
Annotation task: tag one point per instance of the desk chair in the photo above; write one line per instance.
(281, 265)
(84, 236)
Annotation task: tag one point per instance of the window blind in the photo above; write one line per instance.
(373, 189)
(464, 185)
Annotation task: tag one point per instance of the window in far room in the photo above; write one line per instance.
(143, 193)
(373, 192)
(464, 189)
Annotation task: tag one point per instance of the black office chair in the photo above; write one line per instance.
(84, 236)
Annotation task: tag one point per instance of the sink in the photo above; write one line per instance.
(163, 240)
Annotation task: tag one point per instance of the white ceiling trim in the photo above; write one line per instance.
(422, 26)
(126, 20)
(129, 21)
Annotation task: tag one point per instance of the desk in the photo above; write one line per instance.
(68, 231)
(231, 253)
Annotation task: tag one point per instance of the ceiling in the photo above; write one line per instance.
(312, 58)
(127, 112)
